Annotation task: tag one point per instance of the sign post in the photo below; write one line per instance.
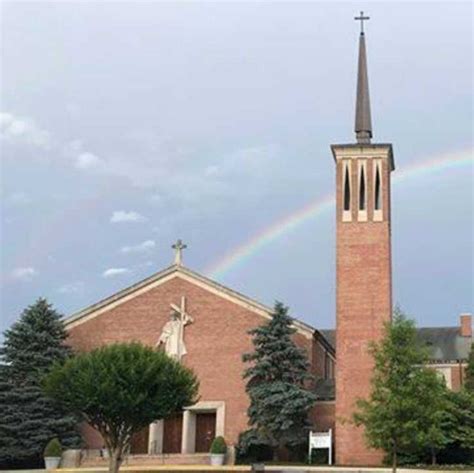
(321, 440)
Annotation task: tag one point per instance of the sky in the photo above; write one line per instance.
(127, 125)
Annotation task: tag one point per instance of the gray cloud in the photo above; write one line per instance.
(76, 287)
(23, 130)
(143, 247)
(19, 198)
(122, 216)
(24, 274)
(113, 272)
(88, 161)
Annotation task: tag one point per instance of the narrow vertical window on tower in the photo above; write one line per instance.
(346, 197)
(362, 202)
(378, 217)
(362, 182)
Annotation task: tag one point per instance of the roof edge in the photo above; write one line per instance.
(177, 269)
(116, 296)
(320, 337)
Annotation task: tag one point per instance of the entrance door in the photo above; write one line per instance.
(172, 433)
(205, 431)
(139, 442)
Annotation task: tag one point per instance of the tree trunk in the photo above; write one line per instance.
(115, 460)
(433, 456)
(394, 461)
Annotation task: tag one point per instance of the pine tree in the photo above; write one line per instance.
(278, 384)
(28, 418)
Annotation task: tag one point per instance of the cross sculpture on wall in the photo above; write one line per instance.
(172, 335)
(361, 18)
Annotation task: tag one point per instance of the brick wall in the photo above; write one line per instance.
(323, 415)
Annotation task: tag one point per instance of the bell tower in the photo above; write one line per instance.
(363, 266)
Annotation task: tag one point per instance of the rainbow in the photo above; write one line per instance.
(242, 253)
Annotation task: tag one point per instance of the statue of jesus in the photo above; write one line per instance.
(172, 335)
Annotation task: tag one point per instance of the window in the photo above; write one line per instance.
(328, 367)
(362, 201)
(347, 190)
(378, 200)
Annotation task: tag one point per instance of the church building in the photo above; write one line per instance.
(205, 324)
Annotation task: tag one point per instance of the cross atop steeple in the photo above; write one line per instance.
(179, 246)
(361, 18)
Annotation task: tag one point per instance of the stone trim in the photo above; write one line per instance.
(155, 438)
(439, 364)
(188, 444)
(359, 150)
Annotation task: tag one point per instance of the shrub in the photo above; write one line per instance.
(250, 449)
(218, 446)
(53, 448)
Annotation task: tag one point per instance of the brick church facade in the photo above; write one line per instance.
(220, 319)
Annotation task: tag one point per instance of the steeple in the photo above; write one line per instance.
(363, 122)
(363, 267)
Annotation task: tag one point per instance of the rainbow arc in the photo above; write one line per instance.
(242, 253)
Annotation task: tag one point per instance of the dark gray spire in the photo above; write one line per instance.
(363, 122)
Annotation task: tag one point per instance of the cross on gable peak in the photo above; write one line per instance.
(179, 246)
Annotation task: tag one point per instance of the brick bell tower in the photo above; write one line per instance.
(363, 266)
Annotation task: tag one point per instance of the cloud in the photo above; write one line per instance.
(18, 199)
(112, 272)
(143, 247)
(156, 198)
(14, 129)
(24, 274)
(211, 170)
(87, 160)
(121, 216)
(24, 131)
(72, 288)
(81, 158)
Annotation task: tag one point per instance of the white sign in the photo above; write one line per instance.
(321, 440)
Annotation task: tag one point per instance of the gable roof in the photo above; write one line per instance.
(443, 343)
(178, 271)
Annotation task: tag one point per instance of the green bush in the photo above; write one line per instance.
(218, 446)
(53, 448)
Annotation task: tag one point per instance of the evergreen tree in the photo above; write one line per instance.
(406, 407)
(278, 385)
(28, 418)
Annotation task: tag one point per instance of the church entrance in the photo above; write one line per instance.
(205, 431)
(172, 433)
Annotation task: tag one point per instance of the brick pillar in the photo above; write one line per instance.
(364, 283)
